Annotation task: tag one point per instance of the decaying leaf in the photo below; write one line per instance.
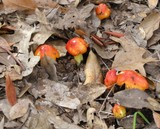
(49, 65)
(5, 107)
(156, 117)
(93, 122)
(149, 25)
(19, 109)
(92, 69)
(2, 123)
(10, 91)
(89, 92)
(132, 98)
(155, 104)
(60, 95)
(106, 53)
(131, 57)
(20, 4)
(74, 17)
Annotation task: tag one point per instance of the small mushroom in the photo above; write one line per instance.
(110, 78)
(102, 11)
(119, 111)
(76, 47)
(47, 50)
(132, 79)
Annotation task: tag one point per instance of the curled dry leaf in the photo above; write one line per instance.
(2, 123)
(149, 25)
(92, 69)
(10, 91)
(152, 3)
(49, 65)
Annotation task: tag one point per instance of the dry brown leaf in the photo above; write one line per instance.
(60, 95)
(93, 122)
(149, 25)
(49, 65)
(134, 98)
(152, 3)
(19, 4)
(10, 91)
(45, 3)
(156, 117)
(89, 92)
(131, 57)
(92, 69)
(19, 109)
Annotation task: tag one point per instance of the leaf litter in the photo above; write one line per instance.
(38, 94)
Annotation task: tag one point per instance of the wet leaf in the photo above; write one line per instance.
(92, 72)
(131, 57)
(10, 91)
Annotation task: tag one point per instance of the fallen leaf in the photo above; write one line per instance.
(92, 72)
(2, 123)
(155, 104)
(156, 117)
(131, 56)
(90, 117)
(10, 91)
(19, 4)
(60, 95)
(5, 107)
(89, 92)
(19, 109)
(149, 25)
(49, 65)
(132, 98)
(74, 17)
(106, 53)
(152, 3)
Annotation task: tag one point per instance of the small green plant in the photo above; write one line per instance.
(135, 117)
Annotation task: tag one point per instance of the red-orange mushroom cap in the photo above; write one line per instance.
(76, 46)
(132, 79)
(47, 50)
(119, 111)
(110, 78)
(102, 11)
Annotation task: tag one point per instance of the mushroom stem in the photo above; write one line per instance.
(78, 59)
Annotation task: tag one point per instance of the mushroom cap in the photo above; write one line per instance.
(102, 11)
(119, 111)
(47, 50)
(132, 79)
(76, 46)
(110, 78)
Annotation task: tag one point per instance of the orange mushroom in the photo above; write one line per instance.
(110, 78)
(119, 111)
(102, 11)
(47, 50)
(76, 47)
(132, 79)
